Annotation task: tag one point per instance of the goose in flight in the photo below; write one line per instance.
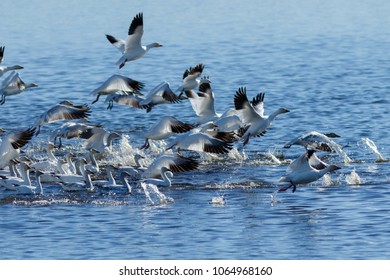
(202, 103)
(14, 85)
(202, 141)
(161, 94)
(117, 83)
(252, 114)
(165, 128)
(191, 78)
(11, 144)
(315, 140)
(70, 130)
(174, 162)
(132, 48)
(4, 69)
(130, 100)
(65, 110)
(306, 169)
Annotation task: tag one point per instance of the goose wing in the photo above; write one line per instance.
(136, 30)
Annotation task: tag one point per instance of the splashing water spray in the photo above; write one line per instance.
(371, 145)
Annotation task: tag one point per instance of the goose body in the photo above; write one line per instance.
(252, 114)
(306, 169)
(131, 48)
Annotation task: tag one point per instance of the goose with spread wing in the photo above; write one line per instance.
(117, 83)
(252, 114)
(131, 48)
(306, 169)
(65, 110)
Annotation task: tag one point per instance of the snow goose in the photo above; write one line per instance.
(2, 53)
(85, 185)
(175, 163)
(11, 144)
(117, 83)
(160, 94)
(306, 169)
(9, 182)
(202, 103)
(200, 142)
(4, 69)
(29, 189)
(166, 175)
(165, 128)
(132, 48)
(191, 78)
(14, 87)
(315, 140)
(70, 130)
(99, 139)
(65, 110)
(130, 100)
(253, 114)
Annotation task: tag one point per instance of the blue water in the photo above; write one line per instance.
(327, 62)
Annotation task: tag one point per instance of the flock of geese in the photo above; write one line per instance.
(210, 133)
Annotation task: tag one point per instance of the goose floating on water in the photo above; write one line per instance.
(132, 48)
(306, 169)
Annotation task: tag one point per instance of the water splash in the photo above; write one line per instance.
(337, 148)
(327, 180)
(218, 200)
(371, 145)
(154, 195)
(353, 178)
(273, 158)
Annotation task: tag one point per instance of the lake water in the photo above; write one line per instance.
(327, 62)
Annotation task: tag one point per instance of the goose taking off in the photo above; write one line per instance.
(14, 85)
(166, 176)
(11, 144)
(315, 140)
(117, 83)
(252, 114)
(202, 103)
(306, 169)
(64, 110)
(132, 48)
(174, 163)
(161, 94)
(165, 128)
(191, 78)
(130, 100)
